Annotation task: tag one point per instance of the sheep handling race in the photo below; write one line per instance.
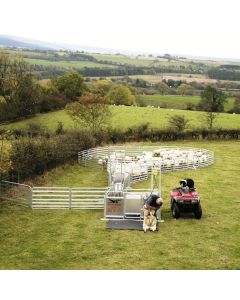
(123, 204)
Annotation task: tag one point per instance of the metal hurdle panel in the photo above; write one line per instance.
(68, 198)
(87, 198)
(50, 198)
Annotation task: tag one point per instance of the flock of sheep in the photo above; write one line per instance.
(164, 159)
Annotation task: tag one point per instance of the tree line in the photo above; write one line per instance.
(225, 72)
(101, 71)
(21, 96)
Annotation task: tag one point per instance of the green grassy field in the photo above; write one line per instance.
(67, 64)
(124, 117)
(142, 61)
(138, 61)
(79, 239)
(178, 102)
(171, 101)
(34, 57)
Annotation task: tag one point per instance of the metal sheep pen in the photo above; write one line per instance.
(126, 165)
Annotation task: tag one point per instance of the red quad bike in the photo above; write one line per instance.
(185, 199)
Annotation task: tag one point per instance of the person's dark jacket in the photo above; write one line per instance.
(151, 201)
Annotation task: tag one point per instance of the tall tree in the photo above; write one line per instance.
(26, 97)
(92, 111)
(212, 100)
(185, 89)
(120, 95)
(70, 84)
(101, 87)
(210, 118)
(236, 106)
(19, 94)
(163, 88)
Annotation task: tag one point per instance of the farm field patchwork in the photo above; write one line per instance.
(66, 239)
(140, 60)
(34, 57)
(124, 117)
(184, 77)
(201, 78)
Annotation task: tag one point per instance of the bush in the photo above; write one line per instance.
(178, 123)
(51, 99)
(120, 95)
(190, 106)
(59, 129)
(33, 156)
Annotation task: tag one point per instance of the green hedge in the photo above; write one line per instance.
(145, 134)
(36, 151)
(34, 155)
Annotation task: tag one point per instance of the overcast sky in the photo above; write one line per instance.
(195, 27)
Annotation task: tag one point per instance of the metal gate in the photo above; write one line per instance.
(67, 198)
(20, 194)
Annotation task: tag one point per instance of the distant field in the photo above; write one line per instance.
(184, 77)
(36, 54)
(126, 60)
(124, 117)
(142, 64)
(172, 99)
(140, 60)
(67, 64)
(176, 101)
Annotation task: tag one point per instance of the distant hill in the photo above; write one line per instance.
(17, 42)
(20, 42)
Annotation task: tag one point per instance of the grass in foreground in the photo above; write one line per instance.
(80, 240)
(124, 117)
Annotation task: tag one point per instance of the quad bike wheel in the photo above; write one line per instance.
(198, 211)
(175, 211)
